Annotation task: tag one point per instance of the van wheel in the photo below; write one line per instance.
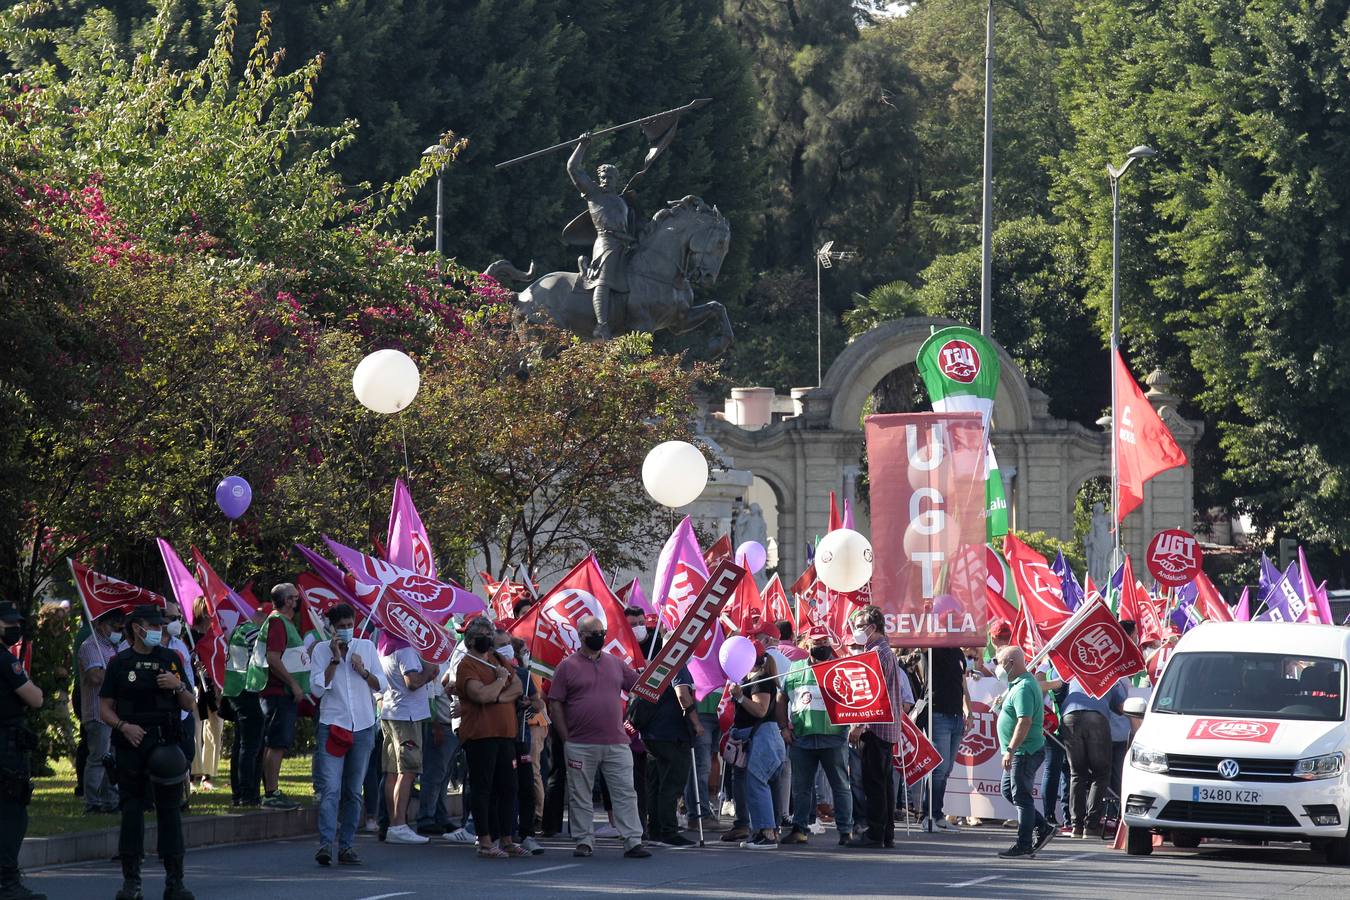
(1138, 841)
(1337, 851)
(1185, 840)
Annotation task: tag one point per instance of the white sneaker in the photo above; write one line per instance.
(372, 825)
(816, 828)
(532, 845)
(944, 825)
(728, 808)
(460, 836)
(402, 834)
(606, 831)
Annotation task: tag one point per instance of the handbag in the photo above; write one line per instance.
(736, 751)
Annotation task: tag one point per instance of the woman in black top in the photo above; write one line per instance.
(756, 723)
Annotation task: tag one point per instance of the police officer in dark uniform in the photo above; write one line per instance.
(143, 692)
(17, 696)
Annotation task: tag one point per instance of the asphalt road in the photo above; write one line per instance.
(921, 865)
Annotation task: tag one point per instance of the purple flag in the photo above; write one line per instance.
(1185, 615)
(706, 670)
(438, 600)
(332, 576)
(409, 544)
(681, 547)
(185, 588)
(1267, 580)
(1073, 591)
(1243, 611)
(1280, 604)
(848, 514)
(637, 598)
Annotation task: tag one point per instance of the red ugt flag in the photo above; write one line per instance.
(1039, 590)
(101, 594)
(916, 756)
(1096, 651)
(854, 690)
(1144, 446)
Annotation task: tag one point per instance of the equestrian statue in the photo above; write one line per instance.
(639, 276)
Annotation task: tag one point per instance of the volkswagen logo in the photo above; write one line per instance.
(1228, 768)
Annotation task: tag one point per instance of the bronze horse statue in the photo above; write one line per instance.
(682, 246)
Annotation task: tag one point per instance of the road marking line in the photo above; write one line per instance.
(1080, 856)
(384, 896)
(537, 871)
(975, 881)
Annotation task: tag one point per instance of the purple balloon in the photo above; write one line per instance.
(737, 656)
(233, 496)
(753, 556)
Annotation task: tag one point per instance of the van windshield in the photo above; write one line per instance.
(1280, 685)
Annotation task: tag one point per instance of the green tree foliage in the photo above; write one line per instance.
(224, 285)
(1233, 256)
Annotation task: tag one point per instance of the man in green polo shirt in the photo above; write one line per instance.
(1023, 743)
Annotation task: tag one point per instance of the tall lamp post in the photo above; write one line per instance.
(987, 214)
(825, 258)
(1143, 151)
(436, 150)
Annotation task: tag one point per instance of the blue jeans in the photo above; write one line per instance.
(1055, 782)
(703, 751)
(1017, 782)
(758, 781)
(436, 763)
(947, 733)
(832, 761)
(338, 780)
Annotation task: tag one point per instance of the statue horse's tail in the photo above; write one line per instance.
(502, 270)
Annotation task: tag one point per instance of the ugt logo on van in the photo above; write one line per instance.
(1251, 730)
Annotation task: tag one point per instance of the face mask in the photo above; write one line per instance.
(114, 637)
(507, 653)
(482, 643)
(1000, 673)
(595, 642)
(860, 636)
(152, 638)
(346, 634)
(820, 654)
(175, 628)
(640, 632)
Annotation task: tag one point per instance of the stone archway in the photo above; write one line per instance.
(1044, 459)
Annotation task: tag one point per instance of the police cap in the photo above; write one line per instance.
(10, 613)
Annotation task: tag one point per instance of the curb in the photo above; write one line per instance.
(198, 831)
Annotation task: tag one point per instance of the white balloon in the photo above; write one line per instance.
(674, 473)
(844, 560)
(386, 381)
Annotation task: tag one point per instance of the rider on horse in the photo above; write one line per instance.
(615, 231)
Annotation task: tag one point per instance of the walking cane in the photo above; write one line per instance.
(698, 800)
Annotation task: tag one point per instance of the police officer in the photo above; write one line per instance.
(17, 696)
(143, 692)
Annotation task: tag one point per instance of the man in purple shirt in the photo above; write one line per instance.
(587, 709)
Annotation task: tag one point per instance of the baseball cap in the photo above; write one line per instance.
(1001, 630)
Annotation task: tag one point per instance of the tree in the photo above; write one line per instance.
(1233, 273)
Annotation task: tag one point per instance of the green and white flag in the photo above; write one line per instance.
(960, 369)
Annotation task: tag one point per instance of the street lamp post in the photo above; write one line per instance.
(1143, 151)
(825, 257)
(437, 150)
(987, 214)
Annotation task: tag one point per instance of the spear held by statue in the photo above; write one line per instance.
(658, 128)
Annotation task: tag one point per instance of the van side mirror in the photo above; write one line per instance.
(1135, 706)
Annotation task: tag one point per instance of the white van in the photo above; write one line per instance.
(1245, 737)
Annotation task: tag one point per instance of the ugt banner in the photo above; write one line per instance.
(854, 690)
(1095, 650)
(927, 474)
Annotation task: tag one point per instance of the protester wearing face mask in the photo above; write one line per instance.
(488, 688)
(587, 711)
(17, 695)
(529, 705)
(876, 742)
(100, 790)
(344, 675)
(279, 671)
(755, 725)
(814, 742)
(143, 694)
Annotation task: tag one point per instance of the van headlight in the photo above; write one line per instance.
(1148, 760)
(1315, 767)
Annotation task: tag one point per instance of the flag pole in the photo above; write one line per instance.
(373, 607)
(928, 779)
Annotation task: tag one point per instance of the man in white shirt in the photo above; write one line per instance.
(346, 686)
(406, 707)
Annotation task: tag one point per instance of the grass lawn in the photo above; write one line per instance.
(56, 810)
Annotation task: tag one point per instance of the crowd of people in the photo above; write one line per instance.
(534, 757)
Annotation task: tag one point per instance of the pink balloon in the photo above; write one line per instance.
(737, 656)
(753, 556)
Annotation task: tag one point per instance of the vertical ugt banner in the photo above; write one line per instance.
(926, 473)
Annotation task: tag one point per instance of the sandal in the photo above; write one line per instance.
(516, 850)
(493, 852)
